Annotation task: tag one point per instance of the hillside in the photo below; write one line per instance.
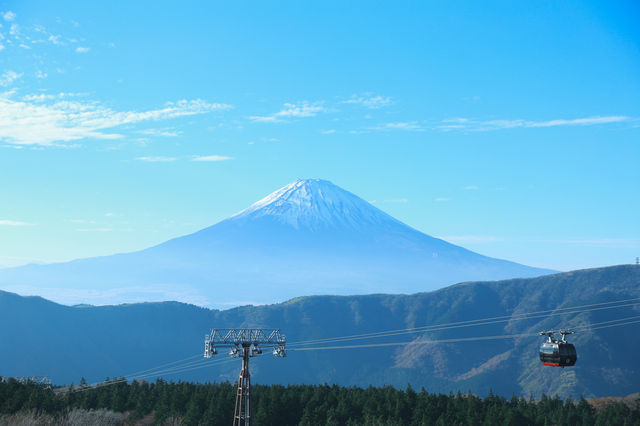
(310, 237)
(187, 404)
(67, 343)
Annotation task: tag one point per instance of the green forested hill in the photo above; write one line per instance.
(183, 403)
(66, 343)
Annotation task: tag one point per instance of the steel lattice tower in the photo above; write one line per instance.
(242, 414)
(245, 343)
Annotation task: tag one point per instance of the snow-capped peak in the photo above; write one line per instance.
(315, 203)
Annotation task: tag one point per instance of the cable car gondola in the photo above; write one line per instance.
(557, 353)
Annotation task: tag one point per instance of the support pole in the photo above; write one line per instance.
(245, 343)
(242, 416)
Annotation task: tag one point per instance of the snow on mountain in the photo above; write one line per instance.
(309, 237)
(314, 204)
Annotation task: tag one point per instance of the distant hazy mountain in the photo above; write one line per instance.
(39, 337)
(309, 237)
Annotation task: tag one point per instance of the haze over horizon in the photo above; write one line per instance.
(511, 132)
(309, 237)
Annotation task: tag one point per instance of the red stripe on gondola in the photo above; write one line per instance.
(550, 364)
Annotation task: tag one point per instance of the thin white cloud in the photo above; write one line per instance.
(211, 158)
(8, 77)
(8, 16)
(441, 199)
(368, 100)
(94, 229)
(34, 122)
(55, 39)
(630, 243)
(167, 133)
(81, 49)
(456, 120)
(594, 242)
(488, 125)
(291, 110)
(42, 97)
(80, 221)
(8, 222)
(470, 188)
(589, 121)
(411, 126)
(156, 159)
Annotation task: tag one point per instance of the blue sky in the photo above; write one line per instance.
(513, 131)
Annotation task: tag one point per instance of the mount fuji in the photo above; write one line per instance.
(310, 237)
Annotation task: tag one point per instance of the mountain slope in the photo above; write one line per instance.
(67, 343)
(309, 237)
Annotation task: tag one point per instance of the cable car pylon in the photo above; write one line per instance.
(245, 343)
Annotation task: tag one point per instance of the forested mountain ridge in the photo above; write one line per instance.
(66, 343)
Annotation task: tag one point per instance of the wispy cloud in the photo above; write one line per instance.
(80, 221)
(441, 199)
(157, 159)
(35, 122)
(55, 39)
(291, 110)
(488, 125)
(589, 121)
(211, 158)
(162, 159)
(412, 126)
(470, 188)
(42, 97)
(8, 16)
(168, 133)
(81, 49)
(8, 77)
(594, 242)
(472, 125)
(7, 222)
(369, 100)
(631, 243)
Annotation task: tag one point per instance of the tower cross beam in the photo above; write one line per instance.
(245, 336)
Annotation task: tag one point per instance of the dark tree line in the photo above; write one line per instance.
(213, 404)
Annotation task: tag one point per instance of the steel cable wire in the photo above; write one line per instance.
(469, 339)
(197, 364)
(471, 323)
